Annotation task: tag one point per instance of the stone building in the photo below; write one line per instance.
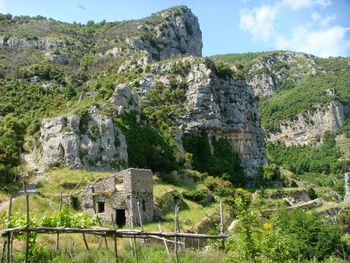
(121, 196)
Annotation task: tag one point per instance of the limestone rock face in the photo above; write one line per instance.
(180, 31)
(347, 189)
(309, 127)
(265, 73)
(123, 98)
(14, 43)
(171, 32)
(56, 58)
(92, 140)
(224, 108)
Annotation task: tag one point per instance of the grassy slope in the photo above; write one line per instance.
(65, 180)
(344, 145)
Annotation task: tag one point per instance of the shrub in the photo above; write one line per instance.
(224, 162)
(284, 237)
(201, 196)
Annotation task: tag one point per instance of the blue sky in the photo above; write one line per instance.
(319, 27)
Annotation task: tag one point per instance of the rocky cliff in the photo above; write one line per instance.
(268, 73)
(309, 127)
(220, 107)
(301, 97)
(149, 68)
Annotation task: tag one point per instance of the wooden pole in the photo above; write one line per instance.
(98, 219)
(165, 243)
(27, 227)
(115, 240)
(3, 250)
(222, 225)
(58, 234)
(176, 230)
(8, 255)
(131, 218)
(85, 242)
(140, 217)
(10, 237)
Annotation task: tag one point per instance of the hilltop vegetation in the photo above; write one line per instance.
(298, 84)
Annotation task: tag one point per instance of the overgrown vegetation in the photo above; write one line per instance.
(222, 161)
(285, 237)
(319, 165)
(147, 148)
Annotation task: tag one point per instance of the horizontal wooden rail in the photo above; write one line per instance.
(100, 231)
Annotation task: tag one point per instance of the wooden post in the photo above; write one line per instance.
(298, 258)
(98, 219)
(131, 218)
(8, 255)
(165, 243)
(3, 250)
(222, 225)
(140, 217)
(24, 187)
(58, 234)
(10, 236)
(115, 240)
(176, 230)
(27, 226)
(85, 242)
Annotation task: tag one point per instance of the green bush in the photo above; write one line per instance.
(224, 162)
(146, 146)
(202, 196)
(283, 237)
(302, 159)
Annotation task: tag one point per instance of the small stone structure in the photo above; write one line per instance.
(121, 195)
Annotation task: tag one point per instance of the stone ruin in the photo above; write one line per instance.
(120, 196)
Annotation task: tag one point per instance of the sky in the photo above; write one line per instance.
(318, 27)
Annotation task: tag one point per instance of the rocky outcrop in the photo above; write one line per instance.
(347, 189)
(171, 32)
(56, 58)
(309, 127)
(224, 108)
(123, 99)
(14, 43)
(267, 72)
(92, 140)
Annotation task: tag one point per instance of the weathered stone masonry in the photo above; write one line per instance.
(119, 195)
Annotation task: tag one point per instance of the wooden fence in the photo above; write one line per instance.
(103, 232)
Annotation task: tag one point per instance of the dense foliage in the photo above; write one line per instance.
(147, 148)
(284, 237)
(301, 159)
(222, 162)
(288, 102)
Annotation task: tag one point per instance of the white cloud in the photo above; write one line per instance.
(259, 22)
(323, 21)
(323, 43)
(298, 4)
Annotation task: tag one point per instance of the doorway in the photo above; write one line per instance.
(120, 218)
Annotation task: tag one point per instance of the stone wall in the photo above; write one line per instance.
(122, 191)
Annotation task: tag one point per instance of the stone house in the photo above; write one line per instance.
(120, 197)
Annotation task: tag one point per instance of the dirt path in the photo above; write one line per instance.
(31, 189)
